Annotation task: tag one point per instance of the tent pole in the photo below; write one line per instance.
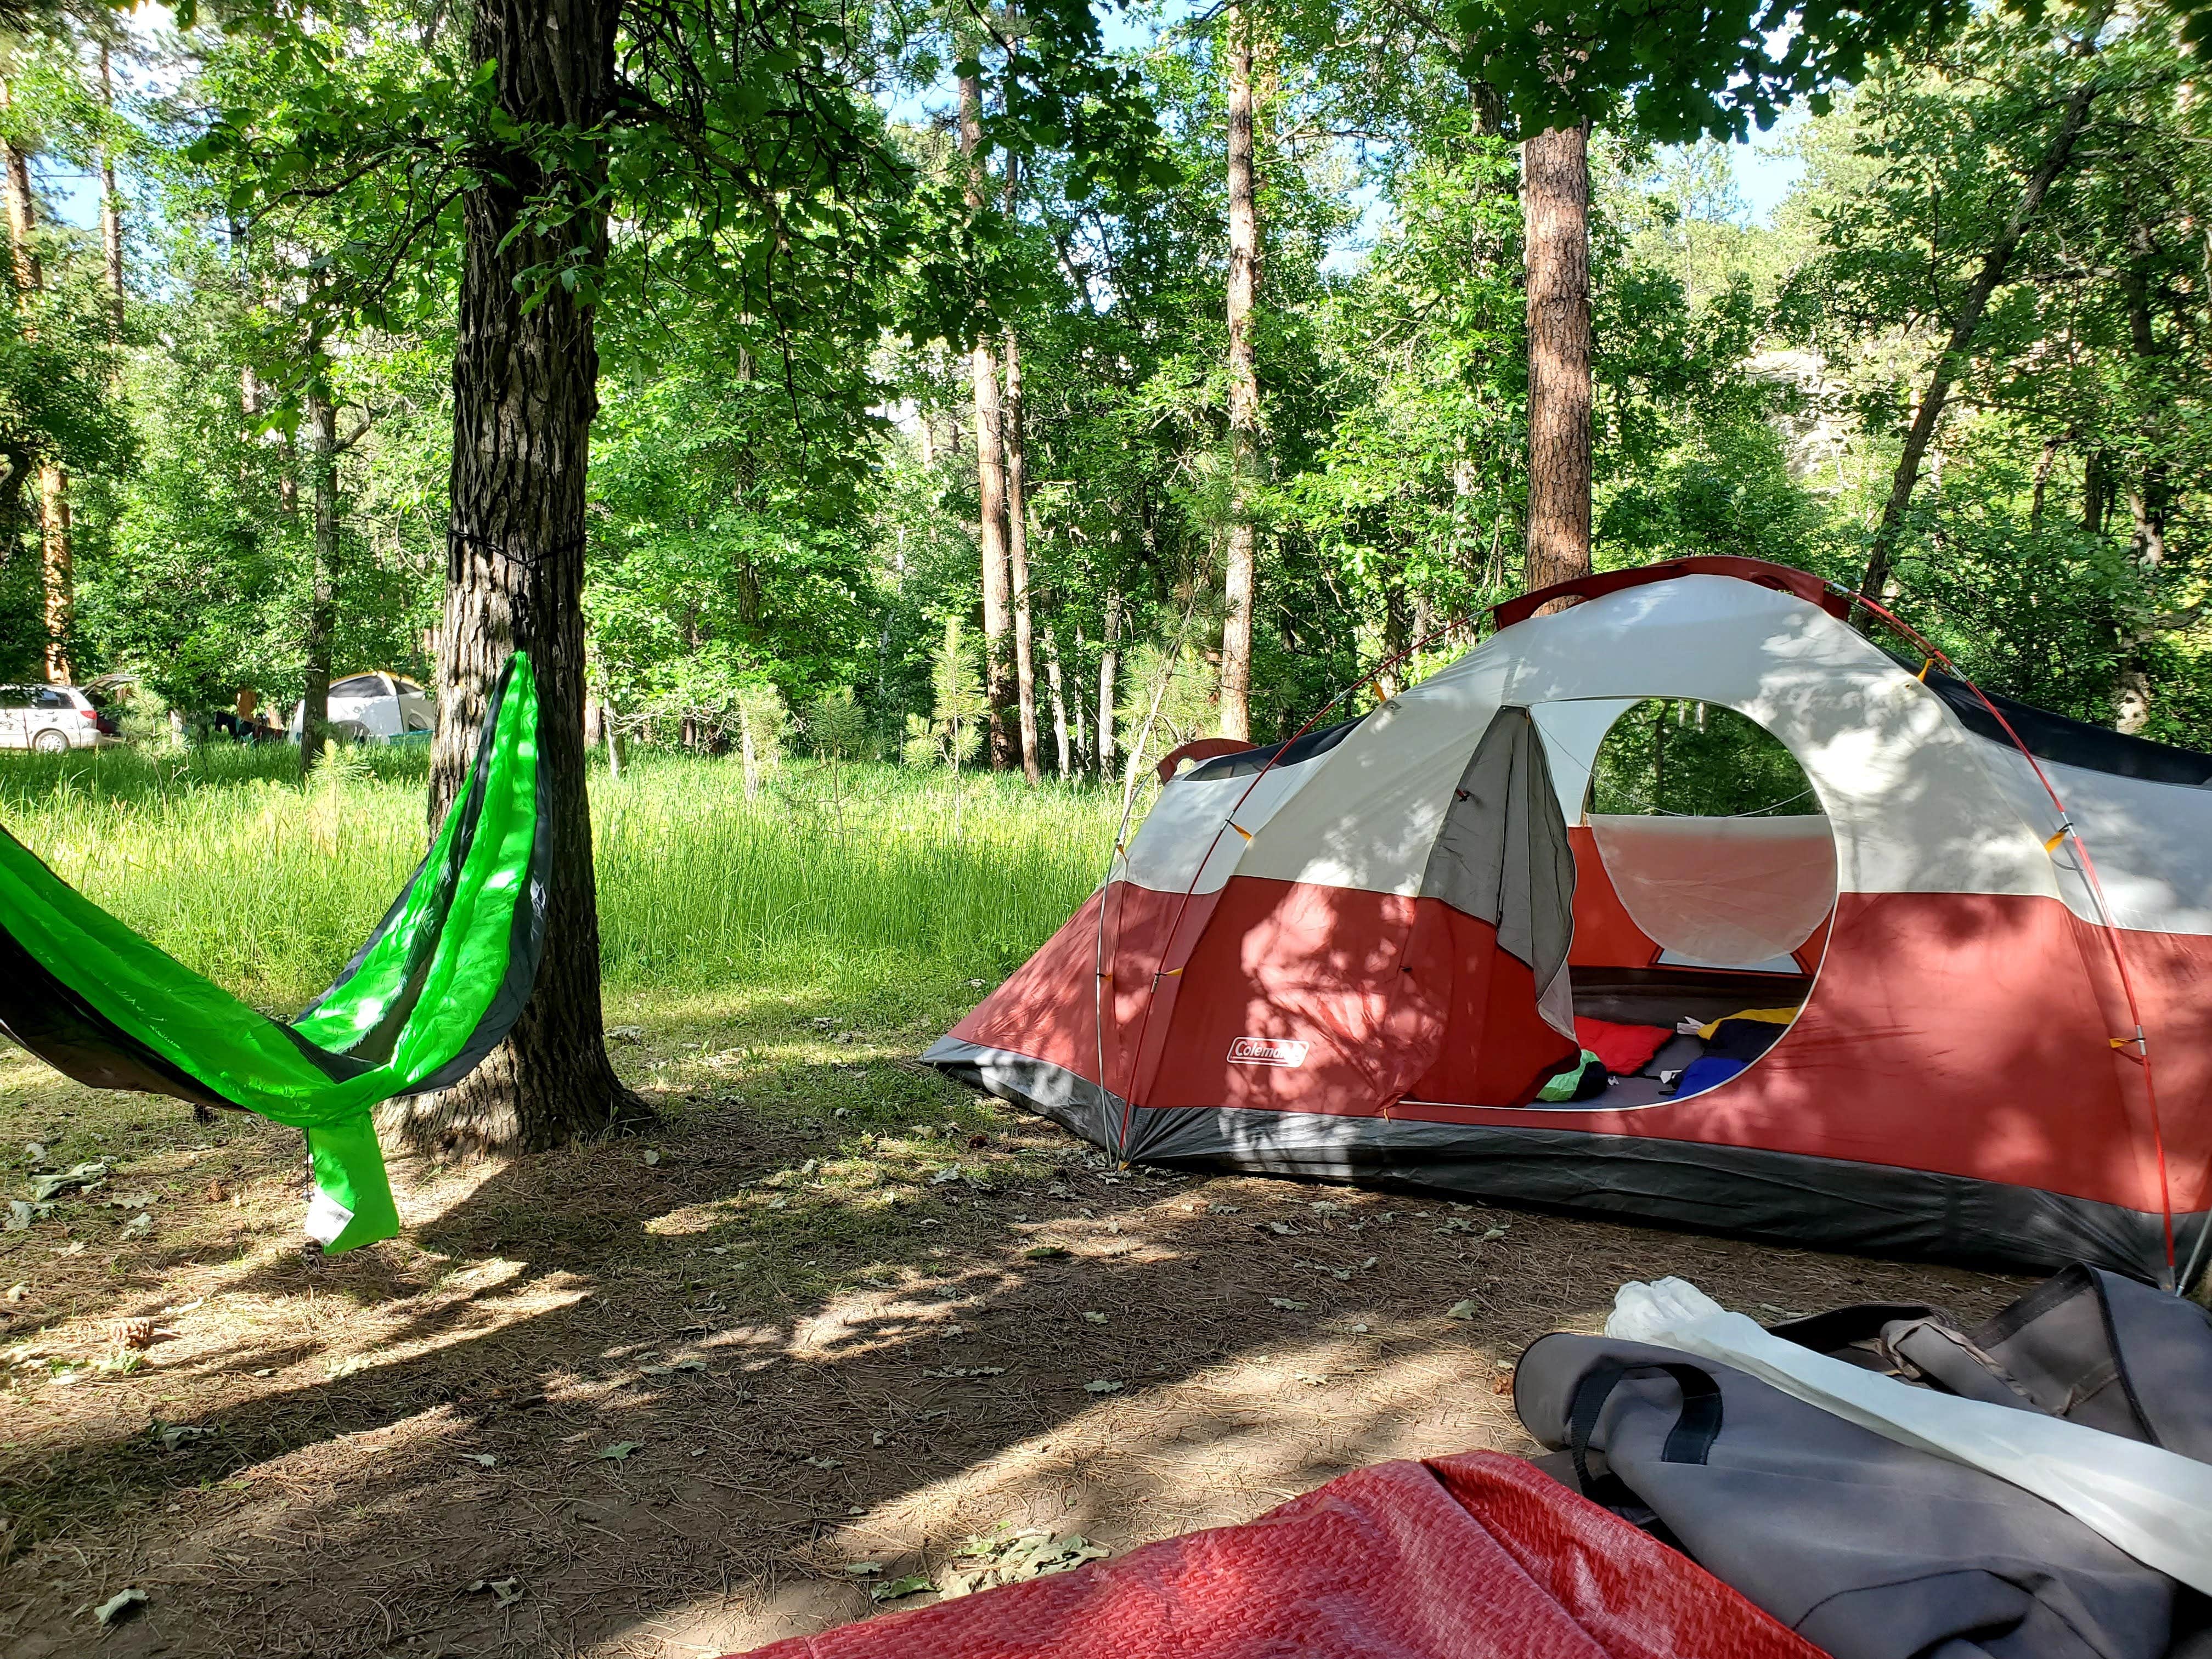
(2182, 1285)
(2140, 1042)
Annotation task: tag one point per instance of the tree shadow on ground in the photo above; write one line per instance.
(595, 1405)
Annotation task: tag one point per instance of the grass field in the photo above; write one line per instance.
(863, 876)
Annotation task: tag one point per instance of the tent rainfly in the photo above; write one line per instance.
(1360, 955)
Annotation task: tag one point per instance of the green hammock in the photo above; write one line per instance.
(436, 987)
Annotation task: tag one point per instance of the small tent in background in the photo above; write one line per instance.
(1364, 953)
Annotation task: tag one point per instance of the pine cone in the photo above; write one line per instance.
(134, 1333)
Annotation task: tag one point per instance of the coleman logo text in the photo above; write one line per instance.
(1267, 1051)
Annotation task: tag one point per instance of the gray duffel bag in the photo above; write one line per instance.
(1869, 1549)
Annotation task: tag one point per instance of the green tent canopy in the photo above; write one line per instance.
(438, 984)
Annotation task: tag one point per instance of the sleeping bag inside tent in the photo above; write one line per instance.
(436, 987)
(1897, 1019)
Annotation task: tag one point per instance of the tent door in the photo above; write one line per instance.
(1485, 1005)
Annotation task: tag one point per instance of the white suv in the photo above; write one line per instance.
(375, 708)
(52, 719)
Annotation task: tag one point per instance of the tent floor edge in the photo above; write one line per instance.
(1776, 1197)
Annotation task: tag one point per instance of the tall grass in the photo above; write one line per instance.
(865, 876)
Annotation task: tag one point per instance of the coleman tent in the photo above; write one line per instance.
(1364, 953)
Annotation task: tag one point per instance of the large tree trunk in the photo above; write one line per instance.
(1237, 573)
(1017, 559)
(1954, 357)
(990, 476)
(322, 576)
(1555, 206)
(525, 373)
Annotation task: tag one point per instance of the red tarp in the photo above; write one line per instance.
(1475, 1557)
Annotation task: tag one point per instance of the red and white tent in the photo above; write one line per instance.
(1360, 954)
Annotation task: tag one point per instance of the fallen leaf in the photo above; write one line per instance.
(506, 1592)
(1463, 1310)
(485, 1458)
(651, 1157)
(119, 1606)
(1096, 1318)
(84, 1174)
(1282, 1227)
(894, 1590)
(620, 1450)
(18, 1292)
(1288, 1305)
(1032, 1553)
(863, 1569)
(827, 1462)
(1103, 1385)
(139, 1226)
(1046, 1252)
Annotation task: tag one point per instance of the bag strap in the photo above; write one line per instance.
(1954, 1363)
(1839, 1328)
(1697, 1426)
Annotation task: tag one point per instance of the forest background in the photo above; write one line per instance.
(784, 520)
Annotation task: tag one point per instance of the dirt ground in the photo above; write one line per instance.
(686, 1393)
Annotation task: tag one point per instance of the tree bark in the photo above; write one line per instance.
(1238, 566)
(990, 479)
(1953, 356)
(2148, 498)
(1059, 702)
(322, 575)
(1017, 559)
(525, 379)
(1555, 209)
(110, 211)
(15, 184)
(57, 560)
(1109, 665)
(2044, 463)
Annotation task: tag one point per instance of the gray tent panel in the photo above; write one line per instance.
(1503, 855)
